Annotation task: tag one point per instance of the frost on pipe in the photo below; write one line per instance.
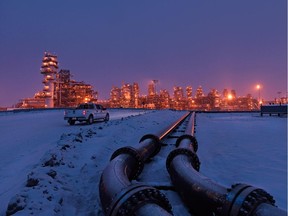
(118, 195)
(205, 197)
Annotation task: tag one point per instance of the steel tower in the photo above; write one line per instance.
(49, 70)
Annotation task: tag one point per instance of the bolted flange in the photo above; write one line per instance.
(243, 199)
(134, 153)
(182, 151)
(155, 139)
(191, 138)
(135, 196)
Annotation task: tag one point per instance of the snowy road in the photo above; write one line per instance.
(232, 148)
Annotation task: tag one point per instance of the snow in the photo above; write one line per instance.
(51, 168)
(245, 148)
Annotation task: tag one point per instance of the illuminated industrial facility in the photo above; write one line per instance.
(127, 96)
(61, 91)
(49, 69)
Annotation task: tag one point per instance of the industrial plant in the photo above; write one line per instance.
(59, 89)
(182, 99)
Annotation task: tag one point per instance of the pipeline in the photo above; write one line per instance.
(164, 132)
(205, 197)
(118, 195)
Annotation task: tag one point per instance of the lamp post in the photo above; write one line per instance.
(258, 87)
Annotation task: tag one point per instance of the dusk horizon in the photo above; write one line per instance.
(223, 45)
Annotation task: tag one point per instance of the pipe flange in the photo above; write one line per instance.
(253, 200)
(182, 151)
(191, 138)
(231, 197)
(135, 154)
(155, 139)
(243, 199)
(137, 196)
(142, 197)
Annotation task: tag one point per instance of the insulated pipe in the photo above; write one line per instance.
(205, 197)
(118, 195)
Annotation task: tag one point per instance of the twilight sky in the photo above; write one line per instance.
(216, 44)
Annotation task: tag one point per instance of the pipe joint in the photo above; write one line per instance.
(192, 139)
(135, 154)
(182, 151)
(244, 199)
(135, 196)
(156, 140)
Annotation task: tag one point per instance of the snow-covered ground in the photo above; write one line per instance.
(52, 168)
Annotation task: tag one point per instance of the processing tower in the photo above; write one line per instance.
(49, 70)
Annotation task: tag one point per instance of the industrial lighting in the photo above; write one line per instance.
(258, 87)
(229, 96)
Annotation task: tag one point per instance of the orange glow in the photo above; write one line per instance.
(258, 86)
(229, 96)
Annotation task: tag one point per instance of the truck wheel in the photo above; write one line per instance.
(71, 122)
(90, 119)
(106, 117)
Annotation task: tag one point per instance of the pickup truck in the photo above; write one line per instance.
(86, 112)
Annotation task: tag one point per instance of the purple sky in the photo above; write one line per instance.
(216, 44)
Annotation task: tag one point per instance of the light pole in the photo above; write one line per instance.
(258, 87)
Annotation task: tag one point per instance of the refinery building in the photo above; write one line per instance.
(59, 89)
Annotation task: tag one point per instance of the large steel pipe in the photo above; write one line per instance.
(200, 194)
(118, 195)
(268, 210)
(190, 129)
(116, 177)
(165, 131)
(205, 197)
